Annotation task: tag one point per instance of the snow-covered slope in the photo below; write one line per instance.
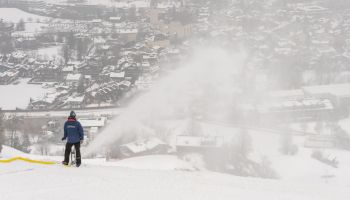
(154, 162)
(20, 180)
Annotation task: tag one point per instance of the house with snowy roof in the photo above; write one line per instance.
(143, 147)
(92, 125)
(127, 34)
(159, 40)
(46, 72)
(73, 79)
(117, 76)
(8, 76)
(338, 93)
(91, 67)
(76, 101)
(210, 147)
(93, 122)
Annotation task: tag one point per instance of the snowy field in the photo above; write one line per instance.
(33, 23)
(47, 53)
(96, 180)
(18, 96)
(15, 15)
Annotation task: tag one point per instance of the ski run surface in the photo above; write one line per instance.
(153, 177)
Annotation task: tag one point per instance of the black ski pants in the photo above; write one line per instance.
(69, 149)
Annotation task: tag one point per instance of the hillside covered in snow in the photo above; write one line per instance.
(162, 177)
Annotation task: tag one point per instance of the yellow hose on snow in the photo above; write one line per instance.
(27, 160)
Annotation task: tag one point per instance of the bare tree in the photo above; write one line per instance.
(12, 124)
(66, 53)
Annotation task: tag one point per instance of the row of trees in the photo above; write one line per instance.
(74, 45)
(13, 138)
(22, 133)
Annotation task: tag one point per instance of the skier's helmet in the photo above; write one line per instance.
(72, 114)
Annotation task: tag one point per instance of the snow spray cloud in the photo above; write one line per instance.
(203, 84)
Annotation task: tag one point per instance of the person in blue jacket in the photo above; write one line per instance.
(74, 133)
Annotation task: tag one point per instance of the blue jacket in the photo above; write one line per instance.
(73, 131)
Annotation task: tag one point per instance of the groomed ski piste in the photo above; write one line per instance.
(165, 177)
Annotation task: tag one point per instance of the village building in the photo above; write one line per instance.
(211, 148)
(51, 100)
(117, 76)
(178, 30)
(92, 125)
(127, 34)
(47, 72)
(67, 70)
(91, 67)
(159, 40)
(8, 76)
(143, 147)
(74, 79)
(40, 104)
(74, 102)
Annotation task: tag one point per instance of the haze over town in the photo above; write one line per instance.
(178, 99)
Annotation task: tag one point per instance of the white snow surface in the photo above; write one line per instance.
(133, 179)
(18, 96)
(15, 15)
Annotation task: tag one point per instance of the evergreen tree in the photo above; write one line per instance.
(13, 124)
(20, 26)
(81, 87)
(66, 53)
(80, 48)
(6, 44)
(71, 40)
(25, 144)
(16, 143)
(132, 14)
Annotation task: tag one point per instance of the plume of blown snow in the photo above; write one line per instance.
(204, 81)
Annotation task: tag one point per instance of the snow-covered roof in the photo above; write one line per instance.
(117, 74)
(126, 83)
(76, 99)
(145, 64)
(333, 89)
(68, 69)
(98, 122)
(19, 54)
(127, 31)
(287, 93)
(9, 73)
(115, 18)
(297, 105)
(73, 77)
(96, 21)
(193, 141)
(137, 147)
